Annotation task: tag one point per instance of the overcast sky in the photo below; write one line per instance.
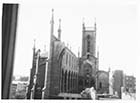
(116, 30)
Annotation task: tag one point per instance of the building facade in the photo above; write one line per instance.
(64, 74)
(118, 82)
(130, 83)
(37, 75)
(88, 61)
(103, 82)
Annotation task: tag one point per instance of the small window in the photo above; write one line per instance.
(88, 56)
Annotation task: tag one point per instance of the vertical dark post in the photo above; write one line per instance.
(9, 25)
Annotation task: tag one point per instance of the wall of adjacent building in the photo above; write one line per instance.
(118, 81)
(103, 82)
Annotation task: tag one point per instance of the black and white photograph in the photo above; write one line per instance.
(69, 50)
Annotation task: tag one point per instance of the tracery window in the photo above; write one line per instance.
(88, 43)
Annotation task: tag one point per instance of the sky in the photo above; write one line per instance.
(116, 21)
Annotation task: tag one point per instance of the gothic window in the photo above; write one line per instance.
(72, 62)
(62, 81)
(88, 43)
(66, 59)
(100, 85)
(88, 56)
(69, 60)
(65, 82)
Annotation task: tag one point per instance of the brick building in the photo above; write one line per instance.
(129, 83)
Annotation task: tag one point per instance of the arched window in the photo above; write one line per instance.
(88, 43)
(88, 56)
(66, 58)
(100, 85)
(69, 81)
(62, 81)
(65, 81)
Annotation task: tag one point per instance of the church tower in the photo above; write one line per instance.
(88, 40)
(88, 61)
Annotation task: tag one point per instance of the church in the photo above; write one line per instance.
(64, 75)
